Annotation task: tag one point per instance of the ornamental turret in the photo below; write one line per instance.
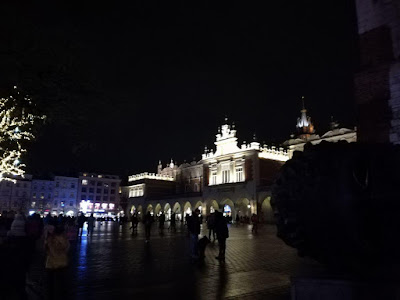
(304, 125)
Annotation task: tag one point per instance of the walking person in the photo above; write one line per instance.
(254, 220)
(81, 220)
(172, 225)
(134, 221)
(221, 228)
(148, 220)
(194, 231)
(90, 223)
(161, 220)
(211, 225)
(57, 246)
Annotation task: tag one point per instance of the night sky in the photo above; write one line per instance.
(125, 84)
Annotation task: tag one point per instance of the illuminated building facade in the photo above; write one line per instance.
(15, 195)
(41, 196)
(306, 134)
(232, 179)
(65, 195)
(98, 194)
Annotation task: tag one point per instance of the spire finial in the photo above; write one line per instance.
(302, 100)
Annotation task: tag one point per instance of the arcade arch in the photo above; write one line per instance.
(150, 209)
(242, 207)
(167, 211)
(177, 210)
(157, 209)
(214, 206)
(187, 209)
(267, 214)
(228, 208)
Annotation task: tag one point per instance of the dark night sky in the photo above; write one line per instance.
(125, 85)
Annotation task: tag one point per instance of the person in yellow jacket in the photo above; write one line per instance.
(57, 246)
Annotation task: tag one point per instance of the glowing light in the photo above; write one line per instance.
(248, 206)
(146, 175)
(15, 129)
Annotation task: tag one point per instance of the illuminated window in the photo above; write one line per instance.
(62, 203)
(33, 204)
(214, 177)
(104, 205)
(34, 195)
(111, 205)
(225, 176)
(239, 174)
(84, 182)
(71, 203)
(42, 196)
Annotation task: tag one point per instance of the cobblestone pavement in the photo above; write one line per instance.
(113, 263)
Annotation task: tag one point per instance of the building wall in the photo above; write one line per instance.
(65, 195)
(100, 192)
(377, 83)
(15, 195)
(42, 195)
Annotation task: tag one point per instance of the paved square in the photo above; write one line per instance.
(113, 263)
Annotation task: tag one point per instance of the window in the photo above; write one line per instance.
(83, 190)
(214, 177)
(34, 195)
(90, 197)
(41, 195)
(98, 191)
(91, 190)
(98, 198)
(92, 182)
(105, 191)
(112, 192)
(84, 182)
(99, 184)
(33, 204)
(83, 197)
(71, 203)
(106, 185)
(112, 199)
(72, 185)
(113, 184)
(225, 176)
(239, 174)
(49, 196)
(55, 203)
(62, 203)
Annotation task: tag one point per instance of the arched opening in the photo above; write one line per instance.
(177, 210)
(267, 214)
(228, 209)
(243, 207)
(167, 211)
(157, 210)
(214, 206)
(187, 209)
(150, 209)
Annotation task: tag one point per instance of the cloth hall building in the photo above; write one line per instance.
(235, 179)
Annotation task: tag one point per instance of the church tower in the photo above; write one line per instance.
(305, 127)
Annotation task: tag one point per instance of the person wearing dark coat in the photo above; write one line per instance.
(221, 229)
(194, 231)
(148, 220)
